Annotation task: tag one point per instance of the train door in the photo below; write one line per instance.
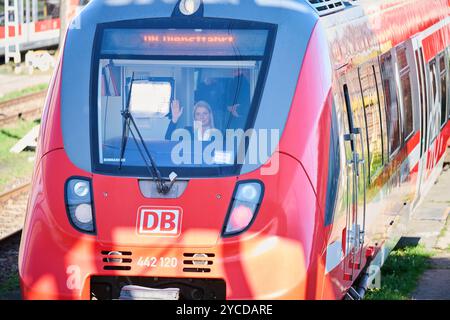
(424, 115)
(354, 232)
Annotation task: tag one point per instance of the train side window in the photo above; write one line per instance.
(372, 118)
(22, 12)
(448, 80)
(419, 73)
(392, 110)
(402, 59)
(433, 88)
(434, 98)
(423, 98)
(442, 62)
(419, 67)
(48, 9)
(382, 110)
(443, 78)
(408, 123)
(406, 93)
(2, 13)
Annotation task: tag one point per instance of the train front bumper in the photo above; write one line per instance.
(271, 260)
(258, 268)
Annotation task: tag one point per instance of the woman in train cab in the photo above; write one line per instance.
(203, 120)
(230, 97)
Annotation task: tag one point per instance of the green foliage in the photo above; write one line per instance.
(24, 92)
(14, 166)
(400, 274)
(10, 285)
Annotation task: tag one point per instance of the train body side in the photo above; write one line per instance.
(362, 48)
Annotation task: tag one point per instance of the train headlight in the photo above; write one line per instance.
(79, 204)
(249, 192)
(83, 213)
(81, 188)
(244, 207)
(189, 7)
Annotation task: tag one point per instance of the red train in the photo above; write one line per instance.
(38, 22)
(261, 150)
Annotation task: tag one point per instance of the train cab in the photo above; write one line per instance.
(232, 150)
(168, 160)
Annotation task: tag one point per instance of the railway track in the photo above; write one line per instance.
(27, 114)
(13, 205)
(23, 99)
(28, 106)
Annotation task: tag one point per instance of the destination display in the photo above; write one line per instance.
(184, 42)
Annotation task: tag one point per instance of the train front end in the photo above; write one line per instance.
(170, 158)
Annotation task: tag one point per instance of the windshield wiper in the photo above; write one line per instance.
(125, 125)
(128, 120)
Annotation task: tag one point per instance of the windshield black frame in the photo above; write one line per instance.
(178, 23)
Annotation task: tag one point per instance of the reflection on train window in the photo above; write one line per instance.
(392, 111)
(448, 80)
(382, 109)
(423, 107)
(373, 121)
(421, 84)
(406, 93)
(176, 99)
(48, 9)
(443, 97)
(151, 97)
(442, 63)
(434, 94)
(402, 58)
(408, 122)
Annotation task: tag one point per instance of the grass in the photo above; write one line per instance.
(11, 285)
(24, 92)
(14, 167)
(400, 274)
(443, 232)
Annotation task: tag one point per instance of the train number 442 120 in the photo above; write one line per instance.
(154, 262)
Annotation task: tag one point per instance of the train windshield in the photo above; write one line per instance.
(192, 95)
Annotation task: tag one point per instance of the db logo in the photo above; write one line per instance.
(157, 221)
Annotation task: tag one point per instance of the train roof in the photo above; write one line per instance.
(101, 11)
(371, 27)
(322, 8)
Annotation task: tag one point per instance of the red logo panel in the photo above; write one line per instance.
(159, 221)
